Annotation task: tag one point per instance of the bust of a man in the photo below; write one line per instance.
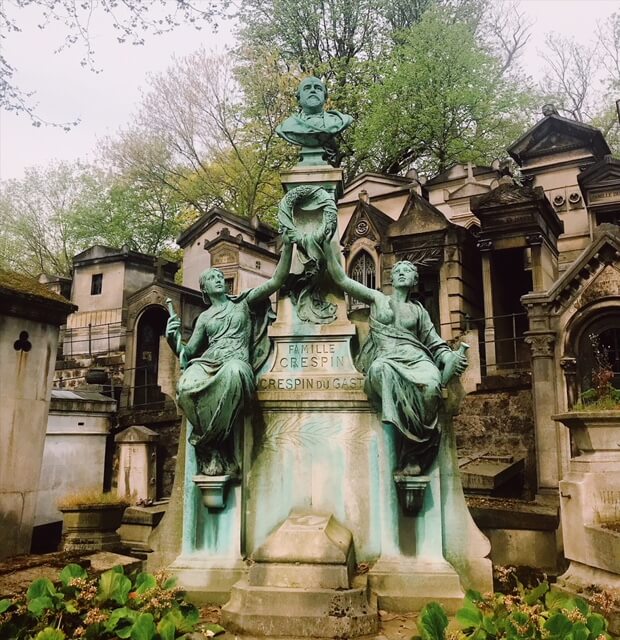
(311, 126)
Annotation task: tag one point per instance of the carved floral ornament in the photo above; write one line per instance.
(542, 345)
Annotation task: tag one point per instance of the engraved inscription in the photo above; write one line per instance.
(313, 384)
(311, 355)
(604, 196)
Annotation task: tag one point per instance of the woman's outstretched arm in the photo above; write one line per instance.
(279, 275)
(355, 289)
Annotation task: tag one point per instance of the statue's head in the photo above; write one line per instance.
(212, 281)
(311, 95)
(404, 274)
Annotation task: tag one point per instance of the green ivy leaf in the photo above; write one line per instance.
(123, 613)
(166, 628)
(144, 582)
(113, 586)
(39, 588)
(144, 628)
(170, 582)
(474, 596)
(49, 633)
(488, 624)
(5, 604)
(184, 621)
(124, 632)
(597, 624)
(216, 629)
(558, 625)
(189, 618)
(580, 631)
(70, 607)
(37, 606)
(469, 616)
(70, 572)
(555, 599)
(582, 606)
(432, 622)
(534, 595)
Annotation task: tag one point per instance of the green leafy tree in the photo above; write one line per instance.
(52, 214)
(205, 132)
(442, 99)
(38, 214)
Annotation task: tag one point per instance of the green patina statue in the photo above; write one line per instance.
(228, 344)
(305, 288)
(312, 128)
(405, 362)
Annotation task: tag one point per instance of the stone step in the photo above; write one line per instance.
(309, 612)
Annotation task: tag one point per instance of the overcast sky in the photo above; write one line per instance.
(105, 101)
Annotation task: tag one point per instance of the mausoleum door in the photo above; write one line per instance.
(511, 279)
(151, 326)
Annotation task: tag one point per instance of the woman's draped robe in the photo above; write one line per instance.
(215, 386)
(404, 382)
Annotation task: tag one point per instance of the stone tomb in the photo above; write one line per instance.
(315, 446)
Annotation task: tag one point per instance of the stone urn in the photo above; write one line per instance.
(91, 527)
(596, 434)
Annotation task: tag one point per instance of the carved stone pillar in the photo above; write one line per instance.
(551, 439)
(485, 247)
(544, 262)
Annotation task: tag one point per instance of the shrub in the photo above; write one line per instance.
(149, 607)
(526, 614)
(91, 497)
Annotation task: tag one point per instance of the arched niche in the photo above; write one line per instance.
(598, 323)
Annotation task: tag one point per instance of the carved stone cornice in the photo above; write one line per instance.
(534, 239)
(541, 344)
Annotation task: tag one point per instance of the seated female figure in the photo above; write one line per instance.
(402, 359)
(218, 376)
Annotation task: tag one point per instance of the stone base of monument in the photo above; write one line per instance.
(403, 586)
(207, 581)
(302, 584)
(583, 581)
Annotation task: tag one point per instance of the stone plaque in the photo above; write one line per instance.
(604, 197)
(311, 365)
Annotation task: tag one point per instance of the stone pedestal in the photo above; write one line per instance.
(330, 178)
(590, 506)
(211, 560)
(302, 583)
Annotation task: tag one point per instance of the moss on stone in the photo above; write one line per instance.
(27, 287)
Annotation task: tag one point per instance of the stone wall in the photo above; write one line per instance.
(499, 422)
(74, 452)
(29, 319)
